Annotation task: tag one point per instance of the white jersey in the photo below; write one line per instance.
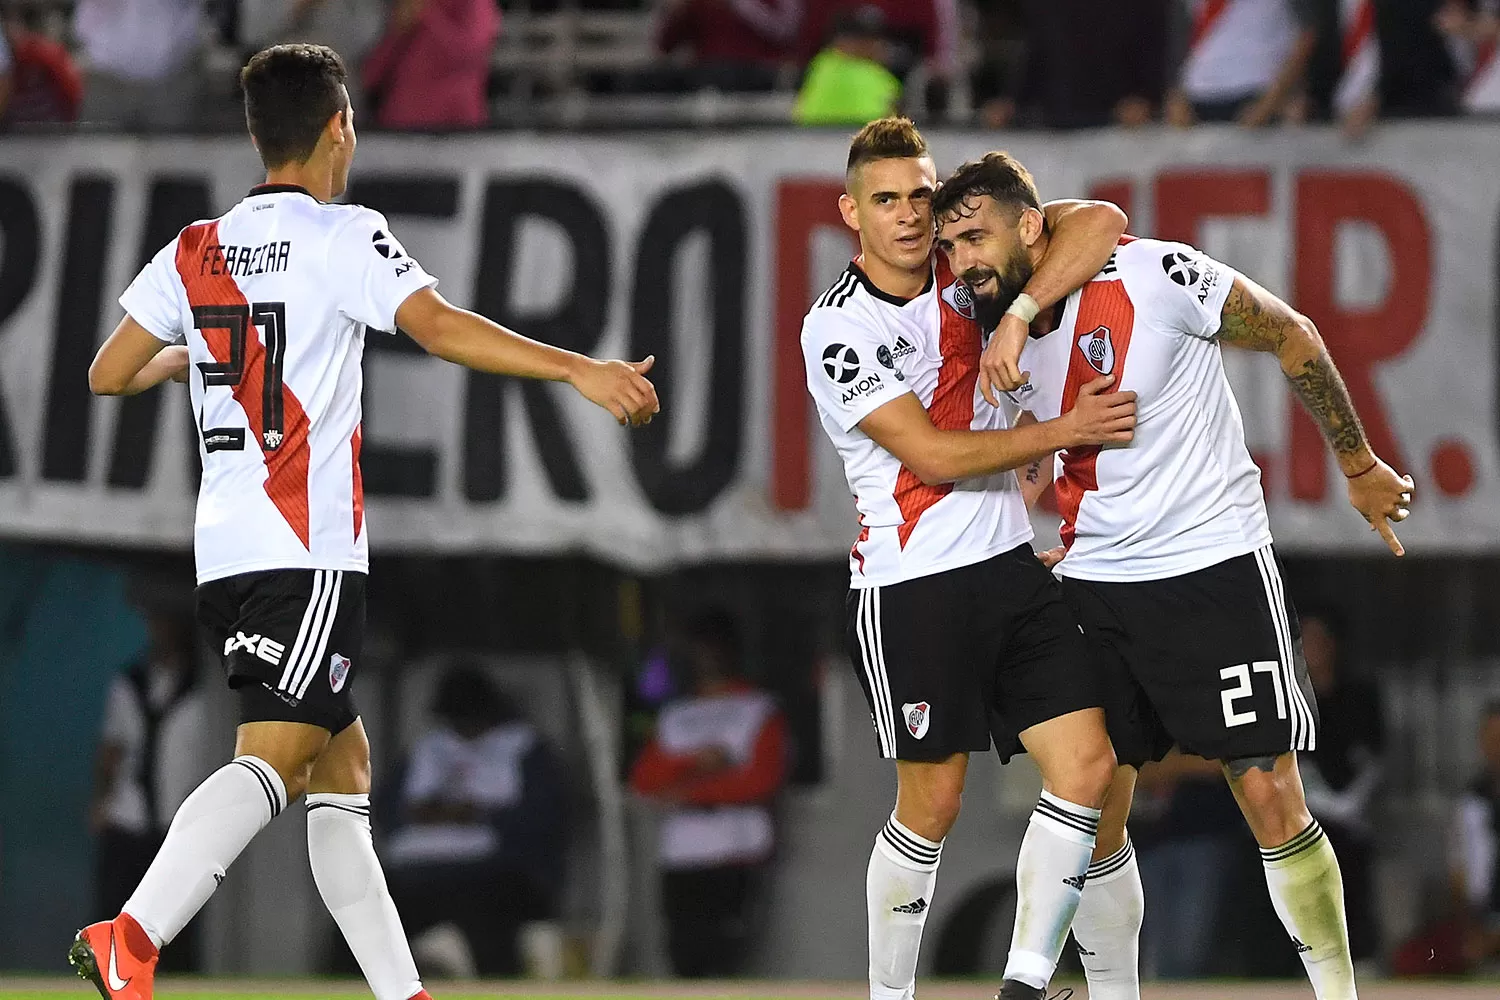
(1236, 47)
(864, 348)
(1184, 494)
(272, 300)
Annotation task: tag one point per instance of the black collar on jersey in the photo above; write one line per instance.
(280, 189)
(895, 300)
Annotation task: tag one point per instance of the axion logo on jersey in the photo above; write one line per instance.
(1098, 349)
(960, 298)
(1180, 268)
(338, 672)
(902, 349)
(256, 645)
(386, 246)
(866, 384)
(918, 717)
(841, 363)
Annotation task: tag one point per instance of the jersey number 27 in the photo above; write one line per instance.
(237, 321)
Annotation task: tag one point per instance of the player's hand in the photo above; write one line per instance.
(1051, 557)
(620, 387)
(1101, 416)
(1381, 496)
(1000, 366)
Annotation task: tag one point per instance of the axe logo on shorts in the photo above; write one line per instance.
(918, 715)
(338, 672)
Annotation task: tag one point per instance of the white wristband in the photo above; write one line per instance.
(1025, 308)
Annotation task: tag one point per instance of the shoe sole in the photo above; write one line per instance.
(81, 957)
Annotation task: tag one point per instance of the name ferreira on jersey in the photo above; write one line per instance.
(240, 261)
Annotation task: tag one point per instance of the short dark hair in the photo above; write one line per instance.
(997, 175)
(467, 693)
(885, 139)
(290, 93)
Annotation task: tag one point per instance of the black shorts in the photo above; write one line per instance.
(1210, 661)
(291, 640)
(958, 660)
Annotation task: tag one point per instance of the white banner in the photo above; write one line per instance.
(706, 251)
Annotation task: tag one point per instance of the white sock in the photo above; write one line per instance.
(1307, 890)
(1108, 926)
(352, 885)
(1049, 879)
(898, 895)
(211, 828)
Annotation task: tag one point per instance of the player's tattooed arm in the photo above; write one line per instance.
(1036, 475)
(1255, 319)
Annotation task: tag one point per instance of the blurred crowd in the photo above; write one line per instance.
(441, 64)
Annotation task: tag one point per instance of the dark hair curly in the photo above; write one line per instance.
(997, 175)
(290, 93)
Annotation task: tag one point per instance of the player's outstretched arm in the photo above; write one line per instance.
(132, 360)
(903, 428)
(468, 339)
(1083, 235)
(1255, 319)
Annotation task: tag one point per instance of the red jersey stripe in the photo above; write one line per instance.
(1359, 31)
(952, 406)
(1104, 311)
(286, 465)
(1208, 15)
(355, 444)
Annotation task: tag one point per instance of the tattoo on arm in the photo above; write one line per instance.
(1034, 472)
(1256, 320)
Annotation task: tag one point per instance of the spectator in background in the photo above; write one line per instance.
(149, 758)
(431, 68)
(141, 63)
(1476, 849)
(1472, 30)
(1245, 61)
(1188, 835)
(38, 81)
(918, 29)
(1342, 66)
(715, 764)
(1113, 73)
(1343, 774)
(732, 45)
(1417, 74)
(479, 838)
(848, 82)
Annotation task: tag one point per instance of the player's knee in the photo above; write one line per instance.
(1088, 777)
(930, 807)
(1271, 797)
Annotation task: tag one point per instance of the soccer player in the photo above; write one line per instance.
(951, 616)
(1167, 557)
(272, 300)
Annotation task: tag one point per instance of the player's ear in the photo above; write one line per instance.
(1032, 223)
(848, 208)
(334, 127)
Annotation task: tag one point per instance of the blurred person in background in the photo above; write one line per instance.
(147, 761)
(1342, 775)
(431, 68)
(349, 27)
(1188, 836)
(917, 29)
(39, 82)
(732, 45)
(1244, 61)
(715, 764)
(1114, 73)
(1341, 67)
(1471, 29)
(1476, 850)
(849, 83)
(479, 837)
(141, 60)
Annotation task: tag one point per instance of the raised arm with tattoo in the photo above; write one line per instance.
(1255, 319)
(1082, 236)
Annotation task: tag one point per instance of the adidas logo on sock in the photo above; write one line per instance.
(1301, 948)
(918, 905)
(1076, 881)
